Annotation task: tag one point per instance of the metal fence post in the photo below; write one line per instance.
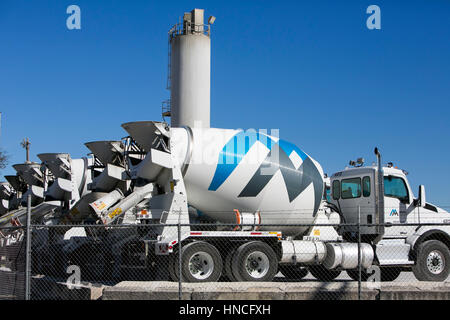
(28, 251)
(359, 253)
(180, 294)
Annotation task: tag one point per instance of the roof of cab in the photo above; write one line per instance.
(359, 171)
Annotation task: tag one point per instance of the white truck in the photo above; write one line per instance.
(412, 234)
(279, 220)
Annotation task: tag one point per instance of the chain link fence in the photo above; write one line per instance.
(12, 263)
(79, 262)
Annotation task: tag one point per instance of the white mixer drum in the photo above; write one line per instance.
(250, 171)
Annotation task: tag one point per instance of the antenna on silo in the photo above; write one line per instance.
(26, 145)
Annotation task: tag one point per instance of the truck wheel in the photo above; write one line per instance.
(323, 274)
(432, 262)
(293, 272)
(254, 261)
(200, 262)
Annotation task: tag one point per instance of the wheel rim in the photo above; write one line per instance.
(435, 262)
(201, 265)
(257, 264)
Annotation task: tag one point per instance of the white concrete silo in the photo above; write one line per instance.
(190, 71)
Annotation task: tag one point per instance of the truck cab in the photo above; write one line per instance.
(407, 232)
(354, 192)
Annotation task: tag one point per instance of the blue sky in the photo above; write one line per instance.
(309, 68)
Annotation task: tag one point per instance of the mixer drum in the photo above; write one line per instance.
(250, 171)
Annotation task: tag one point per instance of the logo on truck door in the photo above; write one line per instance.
(296, 167)
(394, 212)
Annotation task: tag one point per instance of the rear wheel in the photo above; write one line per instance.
(323, 274)
(254, 261)
(200, 262)
(293, 272)
(432, 262)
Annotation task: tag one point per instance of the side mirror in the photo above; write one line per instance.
(422, 199)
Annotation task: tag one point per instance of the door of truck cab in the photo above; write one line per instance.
(399, 205)
(354, 190)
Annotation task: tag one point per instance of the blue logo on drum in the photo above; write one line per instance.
(296, 167)
(233, 152)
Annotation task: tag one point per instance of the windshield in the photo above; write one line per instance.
(395, 187)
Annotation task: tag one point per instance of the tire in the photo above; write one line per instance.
(293, 272)
(323, 274)
(432, 261)
(227, 269)
(254, 261)
(200, 262)
(387, 274)
(173, 260)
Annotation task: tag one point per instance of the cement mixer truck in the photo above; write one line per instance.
(271, 207)
(271, 193)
